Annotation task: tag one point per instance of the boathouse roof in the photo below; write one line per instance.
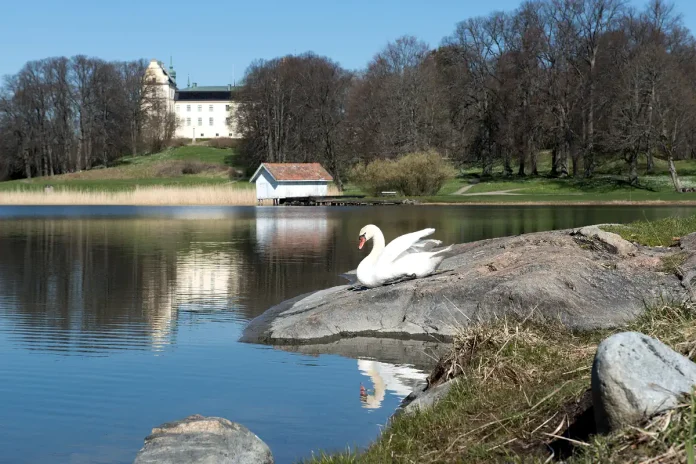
(294, 172)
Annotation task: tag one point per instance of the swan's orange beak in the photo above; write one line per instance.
(361, 242)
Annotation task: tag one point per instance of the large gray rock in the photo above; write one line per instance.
(571, 276)
(634, 377)
(203, 440)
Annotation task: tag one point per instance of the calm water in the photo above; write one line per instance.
(114, 320)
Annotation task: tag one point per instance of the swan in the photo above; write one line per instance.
(406, 257)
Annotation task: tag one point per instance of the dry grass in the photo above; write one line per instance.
(524, 384)
(141, 196)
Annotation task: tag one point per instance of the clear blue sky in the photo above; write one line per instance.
(211, 40)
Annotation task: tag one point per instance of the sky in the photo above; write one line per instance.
(213, 42)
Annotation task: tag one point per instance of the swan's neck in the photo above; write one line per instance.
(377, 245)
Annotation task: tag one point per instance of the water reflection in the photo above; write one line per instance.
(296, 234)
(398, 379)
(72, 282)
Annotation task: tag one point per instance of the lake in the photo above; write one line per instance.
(114, 320)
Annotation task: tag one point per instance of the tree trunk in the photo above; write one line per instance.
(563, 159)
(554, 161)
(633, 167)
(649, 142)
(673, 173)
(589, 148)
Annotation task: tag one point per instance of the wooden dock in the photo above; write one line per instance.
(341, 200)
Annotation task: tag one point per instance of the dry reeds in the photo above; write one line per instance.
(140, 196)
(210, 195)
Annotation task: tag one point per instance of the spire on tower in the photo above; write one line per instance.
(172, 73)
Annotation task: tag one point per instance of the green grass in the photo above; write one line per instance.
(661, 232)
(151, 170)
(522, 384)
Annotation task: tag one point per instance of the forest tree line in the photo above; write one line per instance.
(61, 115)
(589, 80)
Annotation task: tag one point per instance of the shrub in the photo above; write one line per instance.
(235, 173)
(178, 142)
(178, 168)
(223, 142)
(415, 174)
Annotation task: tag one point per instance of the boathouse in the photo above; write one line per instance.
(275, 181)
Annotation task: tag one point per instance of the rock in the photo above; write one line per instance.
(548, 275)
(426, 398)
(634, 377)
(611, 241)
(203, 440)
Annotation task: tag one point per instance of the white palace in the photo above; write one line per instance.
(201, 112)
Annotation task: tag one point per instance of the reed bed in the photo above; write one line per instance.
(140, 196)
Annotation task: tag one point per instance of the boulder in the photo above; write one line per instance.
(425, 398)
(203, 440)
(634, 377)
(585, 279)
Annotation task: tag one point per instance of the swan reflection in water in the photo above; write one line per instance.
(401, 380)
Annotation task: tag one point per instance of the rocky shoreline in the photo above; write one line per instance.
(583, 278)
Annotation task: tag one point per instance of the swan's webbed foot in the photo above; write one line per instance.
(356, 288)
(400, 279)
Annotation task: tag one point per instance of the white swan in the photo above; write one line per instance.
(406, 257)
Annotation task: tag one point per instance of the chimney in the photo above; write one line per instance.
(194, 85)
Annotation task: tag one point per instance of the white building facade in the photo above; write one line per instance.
(206, 112)
(202, 112)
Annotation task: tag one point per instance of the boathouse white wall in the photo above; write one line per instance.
(267, 188)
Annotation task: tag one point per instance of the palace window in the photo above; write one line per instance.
(188, 107)
(227, 107)
(188, 121)
(200, 121)
(210, 108)
(177, 108)
(200, 108)
(210, 121)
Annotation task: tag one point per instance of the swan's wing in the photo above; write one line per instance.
(420, 247)
(401, 244)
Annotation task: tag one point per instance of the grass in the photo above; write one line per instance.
(523, 384)
(609, 185)
(168, 168)
(662, 232)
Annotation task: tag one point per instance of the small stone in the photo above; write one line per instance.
(425, 399)
(203, 440)
(635, 377)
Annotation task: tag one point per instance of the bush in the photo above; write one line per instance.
(178, 168)
(223, 142)
(235, 173)
(178, 142)
(415, 174)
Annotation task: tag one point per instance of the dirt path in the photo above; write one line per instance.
(462, 191)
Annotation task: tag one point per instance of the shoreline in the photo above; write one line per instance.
(203, 202)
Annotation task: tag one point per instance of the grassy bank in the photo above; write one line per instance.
(522, 386)
(184, 166)
(609, 185)
(523, 393)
